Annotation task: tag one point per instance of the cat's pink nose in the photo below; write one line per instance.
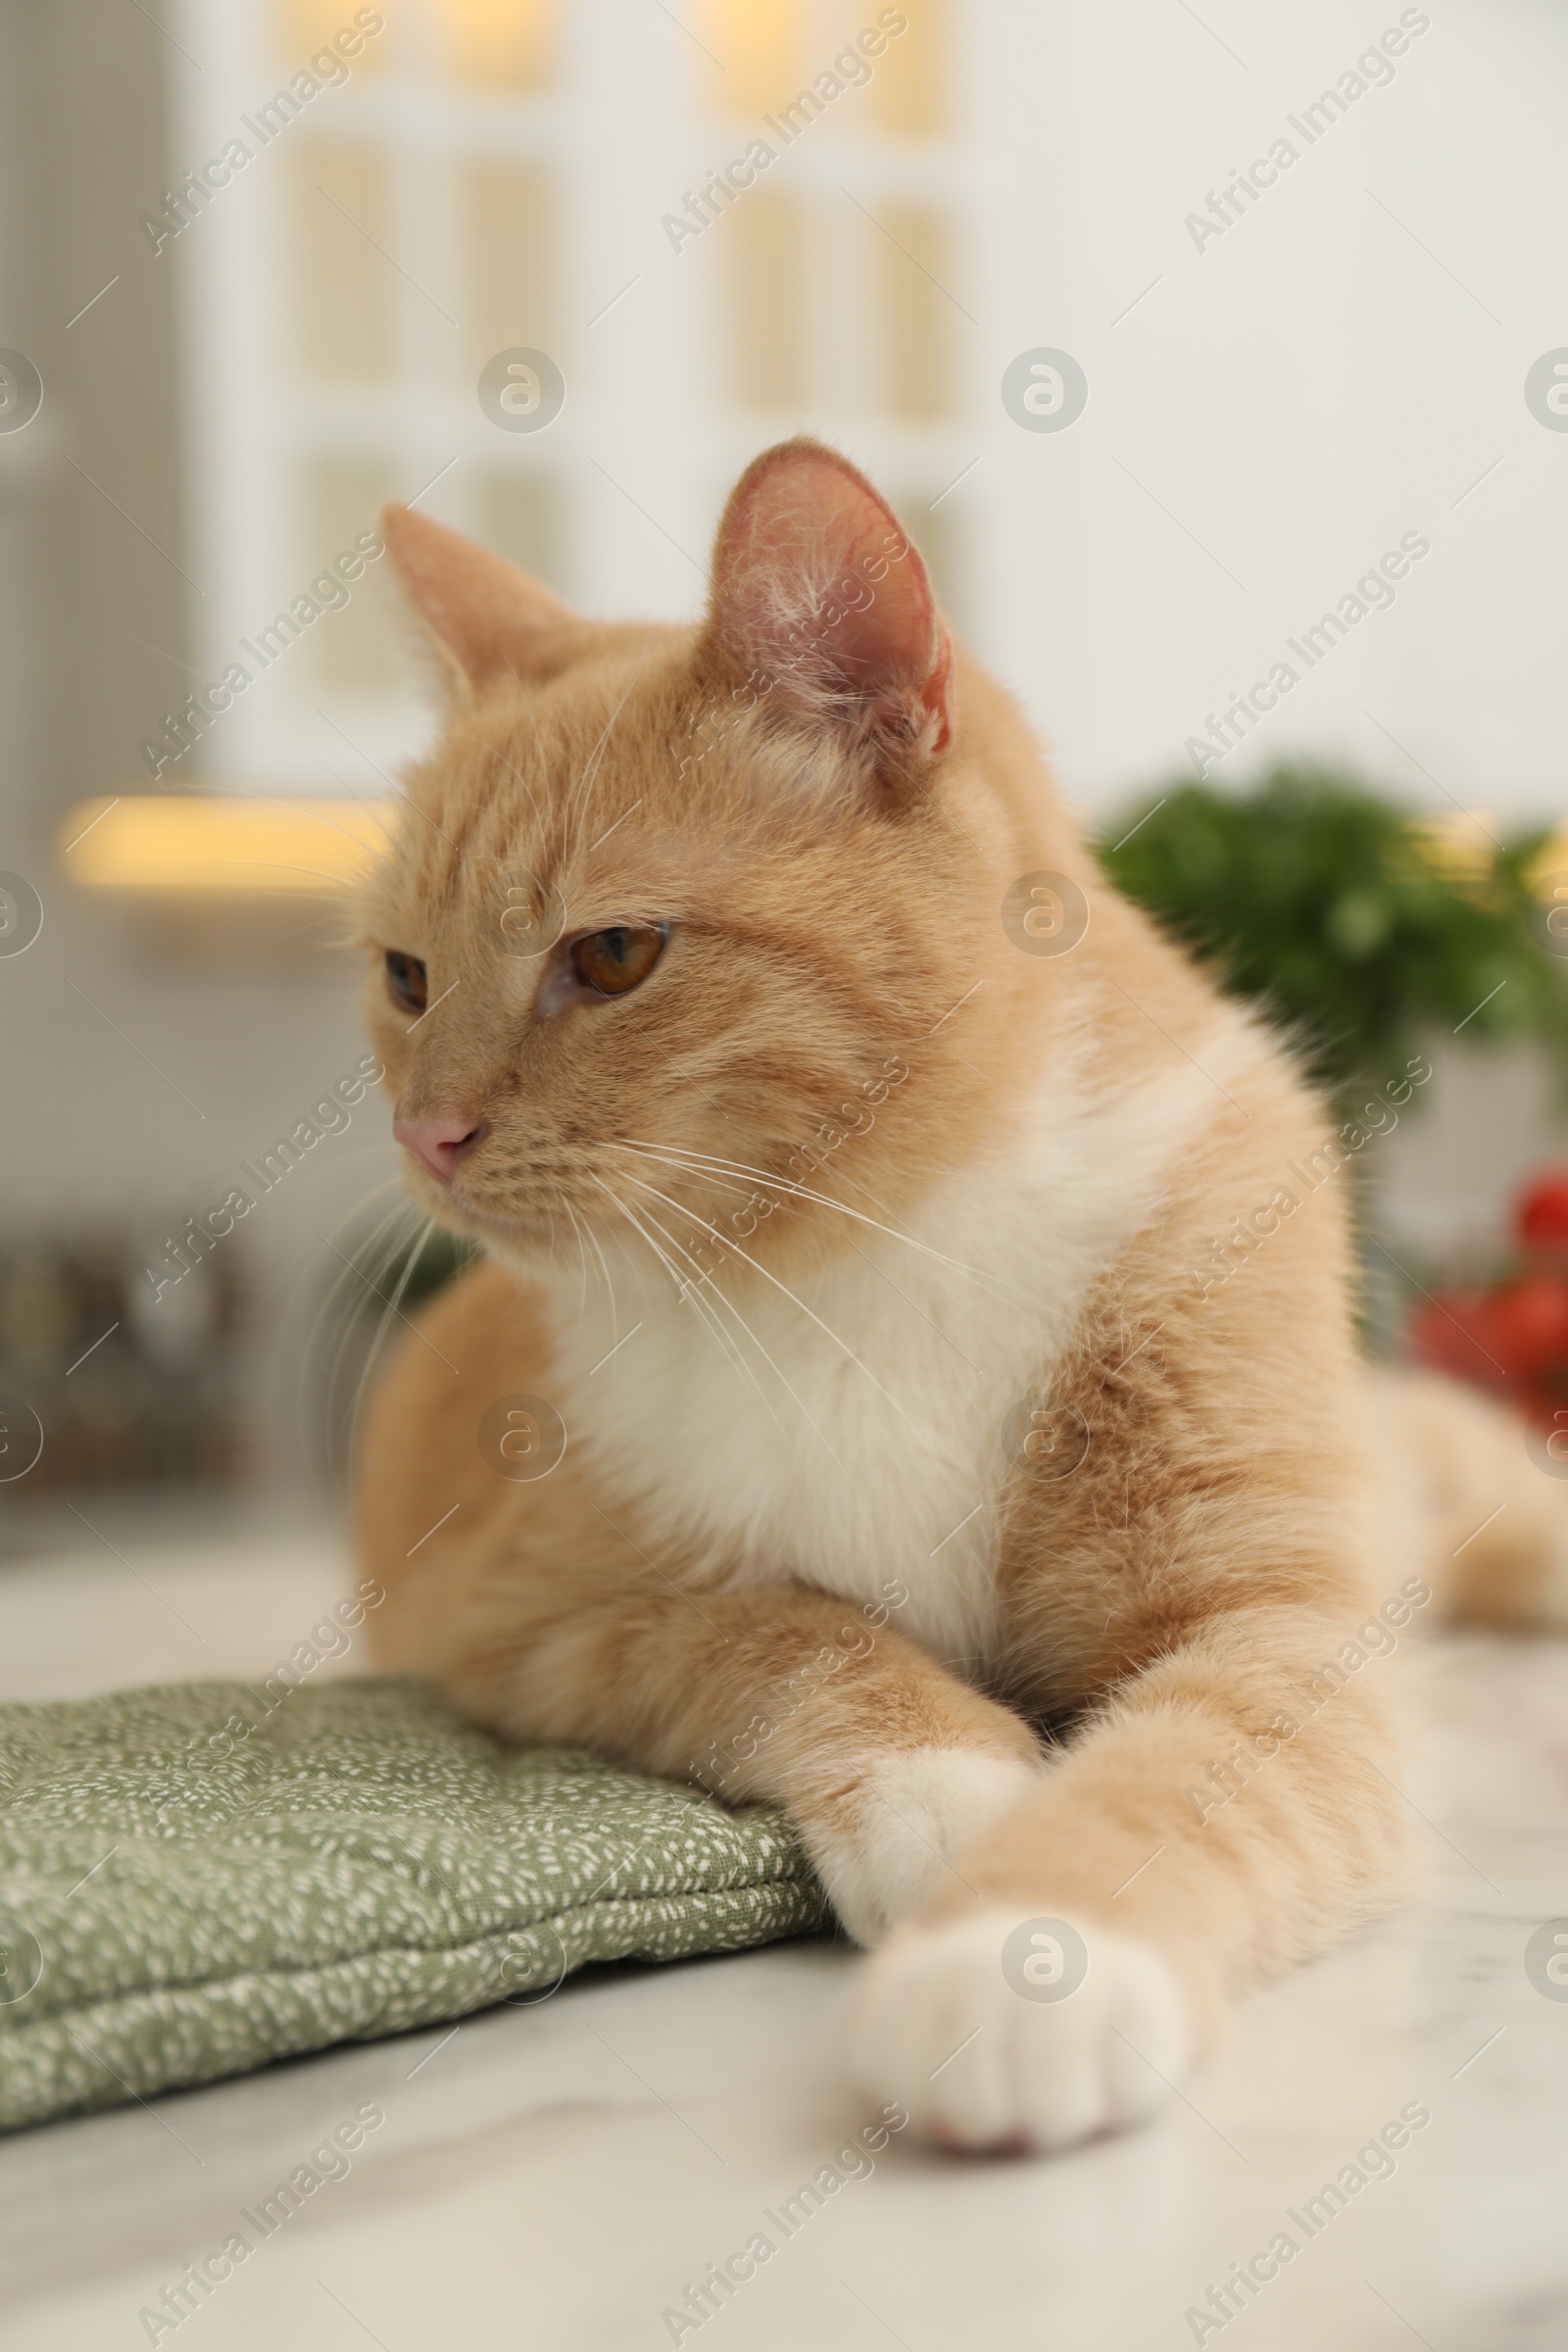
(439, 1143)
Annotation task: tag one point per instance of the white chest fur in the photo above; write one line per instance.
(851, 1433)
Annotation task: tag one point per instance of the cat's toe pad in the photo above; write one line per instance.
(968, 2025)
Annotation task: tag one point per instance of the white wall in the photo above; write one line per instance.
(1300, 393)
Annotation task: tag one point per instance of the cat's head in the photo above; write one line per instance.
(686, 932)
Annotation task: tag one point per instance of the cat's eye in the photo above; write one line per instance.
(620, 958)
(406, 979)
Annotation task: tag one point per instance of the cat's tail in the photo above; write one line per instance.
(1477, 1502)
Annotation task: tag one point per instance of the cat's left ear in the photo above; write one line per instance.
(821, 598)
(488, 617)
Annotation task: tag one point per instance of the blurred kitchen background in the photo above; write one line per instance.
(269, 262)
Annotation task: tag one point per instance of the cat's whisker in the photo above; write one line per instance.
(995, 1286)
(367, 1287)
(384, 1236)
(642, 1234)
(582, 1259)
(702, 1163)
(725, 1183)
(331, 1300)
(709, 1316)
(386, 1249)
(609, 1288)
(746, 1258)
(718, 1299)
(748, 1193)
(704, 1316)
(350, 1271)
(392, 1307)
(707, 1310)
(323, 1303)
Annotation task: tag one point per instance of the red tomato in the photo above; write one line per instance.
(1542, 1216)
(1527, 1320)
(1542, 1406)
(1454, 1332)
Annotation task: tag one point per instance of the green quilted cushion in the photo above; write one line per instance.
(180, 1900)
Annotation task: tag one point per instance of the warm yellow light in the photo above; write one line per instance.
(1464, 848)
(1545, 871)
(245, 846)
(239, 845)
(303, 27)
(765, 51)
(1461, 847)
(508, 41)
(756, 48)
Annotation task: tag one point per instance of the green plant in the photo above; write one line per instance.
(1355, 927)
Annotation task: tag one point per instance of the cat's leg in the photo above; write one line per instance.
(1476, 1499)
(888, 1764)
(1224, 1816)
(549, 1620)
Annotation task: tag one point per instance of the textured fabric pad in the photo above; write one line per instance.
(193, 1883)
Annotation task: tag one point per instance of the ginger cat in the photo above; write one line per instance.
(849, 1216)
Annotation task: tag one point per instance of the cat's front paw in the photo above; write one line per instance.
(914, 1811)
(1004, 2031)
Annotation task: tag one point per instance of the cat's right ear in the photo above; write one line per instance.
(488, 617)
(821, 598)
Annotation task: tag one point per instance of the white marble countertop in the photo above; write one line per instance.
(556, 2176)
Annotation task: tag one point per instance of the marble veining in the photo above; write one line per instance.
(561, 2175)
